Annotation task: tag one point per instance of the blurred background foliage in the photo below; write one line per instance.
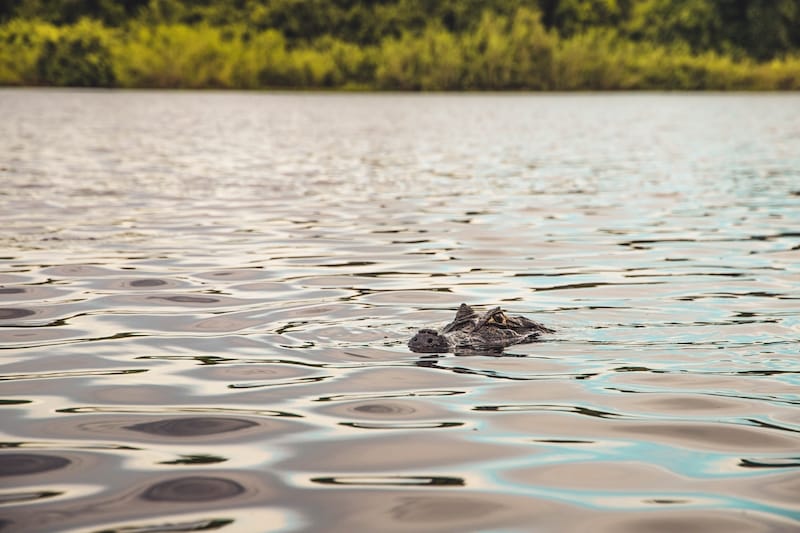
(403, 44)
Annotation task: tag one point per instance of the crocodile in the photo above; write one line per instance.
(490, 332)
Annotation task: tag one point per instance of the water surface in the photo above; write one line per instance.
(205, 299)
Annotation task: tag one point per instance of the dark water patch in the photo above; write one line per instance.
(193, 489)
(192, 427)
(147, 282)
(586, 411)
(271, 287)
(30, 496)
(31, 292)
(383, 409)
(172, 525)
(128, 429)
(284, 383)
(139, 284)
(666, 501)
(255, 412)
(147, 301)
(401, 425)
(563, 441)
(239, 274)
(75, 374)
(10, 313)
(388, 413)
(416, 481)
(770, 462)
(44, 444)
(186, 299)
(195, 460)
(18, 464)
(11, 290)
(591, 285)
(769, 425)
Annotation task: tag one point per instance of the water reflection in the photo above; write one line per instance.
(771, 462)
(10, 313)
(208, 331)
(196, 460)
(422, 481)
(18, 497)
(193, 525)
(193, 489)
(192, 427)
(147, 282)
(19, 464)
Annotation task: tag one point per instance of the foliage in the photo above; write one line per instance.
(403, 44)
(76, 58)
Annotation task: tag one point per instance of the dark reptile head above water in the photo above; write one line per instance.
(490, 332)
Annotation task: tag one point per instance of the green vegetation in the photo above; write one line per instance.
(403, 44)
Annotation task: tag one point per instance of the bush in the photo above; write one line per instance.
(21, 43)
(502, 50)
(77, 56)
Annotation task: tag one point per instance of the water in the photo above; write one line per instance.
(205, 299)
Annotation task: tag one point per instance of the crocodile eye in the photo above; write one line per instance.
(499, 319)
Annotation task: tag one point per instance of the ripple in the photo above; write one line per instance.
(442, 509)
(11, 290)
(240, 274)
(385, 413)
(17, 497)
(31, 336)
(193, 489)
(147, 282)
(179, 300)
(382, 409)
(29, 292)
(10, 313)
(252, 371)
(401, 425)
(18, 464)
(712, 436)
(422, 481)
(271, 315)
(689, 521)
(143, 283)
(83, 424)
(78, 271)
(186, 299)
(770, 462)
(192, 427)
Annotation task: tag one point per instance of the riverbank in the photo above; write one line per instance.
(504, 53)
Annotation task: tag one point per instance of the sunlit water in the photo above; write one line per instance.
(205, 300)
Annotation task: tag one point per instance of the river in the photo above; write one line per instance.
(205, 299)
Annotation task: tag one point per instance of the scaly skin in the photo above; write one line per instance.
(490, 332)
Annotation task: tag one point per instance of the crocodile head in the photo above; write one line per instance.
(428, 341)
(469, 332)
